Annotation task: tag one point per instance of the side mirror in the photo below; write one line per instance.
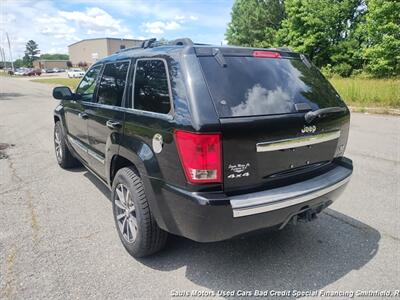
(62, 93)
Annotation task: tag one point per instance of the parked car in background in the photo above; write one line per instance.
(20, 71)
(33, 72)
(75, 73)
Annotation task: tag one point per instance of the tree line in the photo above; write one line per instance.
(344, 37)
(32, 53)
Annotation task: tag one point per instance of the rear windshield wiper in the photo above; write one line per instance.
(219, 57)
(311, 115)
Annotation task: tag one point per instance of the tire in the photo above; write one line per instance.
(64, 157)
(136, 226)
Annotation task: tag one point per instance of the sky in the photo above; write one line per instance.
(56, 24)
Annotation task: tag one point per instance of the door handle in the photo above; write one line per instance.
(83, 116)
(113, 124)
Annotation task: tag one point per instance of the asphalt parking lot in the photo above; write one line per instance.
(58, 240)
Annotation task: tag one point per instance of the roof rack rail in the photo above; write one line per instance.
(128, 49)
(202, 44)
(181, 42)
(148, 43)
(152, 43)
(287, 49)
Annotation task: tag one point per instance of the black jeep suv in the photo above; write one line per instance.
(206, 142)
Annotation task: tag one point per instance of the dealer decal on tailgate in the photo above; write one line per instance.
(239, 170)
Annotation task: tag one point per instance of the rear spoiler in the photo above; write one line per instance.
(239, 51)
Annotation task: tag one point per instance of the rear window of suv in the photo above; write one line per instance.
(251, 86)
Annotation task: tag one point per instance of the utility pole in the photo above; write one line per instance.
(3, 58)
(9, 48)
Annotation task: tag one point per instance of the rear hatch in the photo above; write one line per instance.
(262, 98)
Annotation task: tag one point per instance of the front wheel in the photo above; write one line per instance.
(135, 223)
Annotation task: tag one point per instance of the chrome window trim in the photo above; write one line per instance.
(149, 113)
(302, 141)
(99, 105)
(125, 87)
(127, 110)
(169, 115)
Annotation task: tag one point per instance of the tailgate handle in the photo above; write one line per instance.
(311, 115)
(297, 141)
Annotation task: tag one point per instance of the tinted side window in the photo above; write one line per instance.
(87, 86)
(112, 84)
(151, 91)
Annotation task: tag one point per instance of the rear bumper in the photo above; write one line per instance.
(208, 217)
(290, 195)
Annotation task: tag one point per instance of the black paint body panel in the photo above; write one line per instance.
(201, 212)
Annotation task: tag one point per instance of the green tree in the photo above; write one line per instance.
(347, 55)
(55, 56)
(382, 49)
(255, 22)
(319, 27)
(18, 63)
(31, 52)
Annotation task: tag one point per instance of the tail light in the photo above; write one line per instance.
(267, 54)
(200, 156)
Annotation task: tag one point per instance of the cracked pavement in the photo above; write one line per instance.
(58, 240)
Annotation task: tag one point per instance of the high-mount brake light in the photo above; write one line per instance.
(267, 54)
(200, 156)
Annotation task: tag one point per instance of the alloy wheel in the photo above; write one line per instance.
(125, 213)
(57, 143)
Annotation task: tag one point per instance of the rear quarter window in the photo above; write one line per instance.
(151, 87)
